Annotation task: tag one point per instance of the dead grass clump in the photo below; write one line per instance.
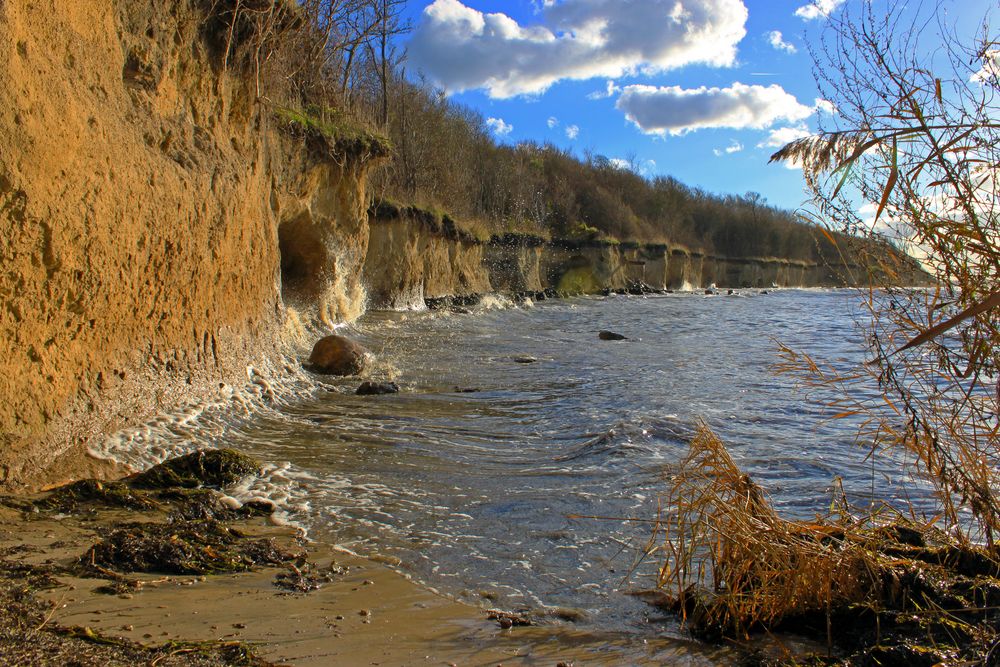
(879, 588)
(734, 565)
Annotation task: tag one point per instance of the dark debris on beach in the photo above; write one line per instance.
(183, 531)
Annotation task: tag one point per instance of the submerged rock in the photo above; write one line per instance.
(611, 335)
(336, 355)
(377, 388)
(525, 359)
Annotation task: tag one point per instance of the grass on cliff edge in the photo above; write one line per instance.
(342, 134)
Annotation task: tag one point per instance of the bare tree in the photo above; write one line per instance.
(916, 136)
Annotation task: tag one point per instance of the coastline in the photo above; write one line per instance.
(368, 614)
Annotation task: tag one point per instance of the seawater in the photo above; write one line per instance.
(468, 478)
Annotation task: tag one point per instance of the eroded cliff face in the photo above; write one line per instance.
(147, 209)
(405, 253)
(409, 260)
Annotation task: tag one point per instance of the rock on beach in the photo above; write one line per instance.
(336, 355)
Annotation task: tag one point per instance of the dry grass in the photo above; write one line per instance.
(880, 588)
(735, 565)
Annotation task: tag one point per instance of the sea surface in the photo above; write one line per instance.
(467, 480)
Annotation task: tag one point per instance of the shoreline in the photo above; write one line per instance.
(362, 612)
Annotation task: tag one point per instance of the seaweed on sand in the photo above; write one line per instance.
(71, 497)
(190, 547)
(29, 636)
(880, 592)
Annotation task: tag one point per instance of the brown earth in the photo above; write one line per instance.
(367, 615)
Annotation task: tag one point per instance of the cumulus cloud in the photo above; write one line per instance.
(777, 40)
(619, 163)
(572, 131)
(818, 9)
(826, 106)
(676, 111)
(461, 48)
(500, 127)
(780, 136)
(990, 71)
(552, 122)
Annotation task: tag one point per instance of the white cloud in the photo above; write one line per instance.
(675, 111)
(611, 90)
(733, 147)
(780, 136)
(777, 40)
(818, 9)
(500, 127)
(572, 131)
(552, 122)
(826, 106)
(621, 164)
(990, 71)
(461, 48)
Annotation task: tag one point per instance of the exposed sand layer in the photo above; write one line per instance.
(368, 614)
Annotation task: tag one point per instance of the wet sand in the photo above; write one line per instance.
(368, 615)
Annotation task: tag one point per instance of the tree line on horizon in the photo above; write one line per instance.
(343, 61)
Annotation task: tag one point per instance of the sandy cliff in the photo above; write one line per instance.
(414, 255)
(411, 258)
(148, 205)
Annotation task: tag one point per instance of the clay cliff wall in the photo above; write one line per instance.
(149, 210)
(410, 261)
(413, 257)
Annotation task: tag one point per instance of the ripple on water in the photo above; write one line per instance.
(472, 491)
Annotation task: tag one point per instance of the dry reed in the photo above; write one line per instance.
(733, 565)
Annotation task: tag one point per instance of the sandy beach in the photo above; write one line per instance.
(368, 614)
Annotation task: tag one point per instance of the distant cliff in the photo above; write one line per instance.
(415, 255)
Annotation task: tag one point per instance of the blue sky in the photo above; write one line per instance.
(702, 90)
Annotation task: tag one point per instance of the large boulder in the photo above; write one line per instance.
(336, 355)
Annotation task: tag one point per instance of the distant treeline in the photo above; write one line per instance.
(445, 157)
(335, 66)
